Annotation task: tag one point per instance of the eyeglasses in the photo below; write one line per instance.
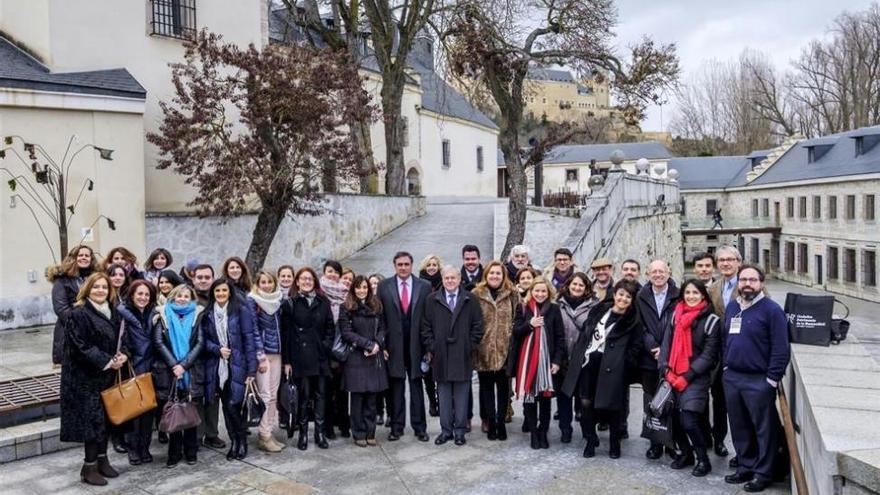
(750, 280)
(726, 260)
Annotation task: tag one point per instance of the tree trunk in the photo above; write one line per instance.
(516, 207)
(360, 132)
(392, 96)
(268, 221)
(328, 178)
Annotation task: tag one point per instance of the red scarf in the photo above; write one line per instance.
(529, 356)
(682, 343)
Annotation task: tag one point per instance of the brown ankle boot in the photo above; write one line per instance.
(105, 468)
(90, 475)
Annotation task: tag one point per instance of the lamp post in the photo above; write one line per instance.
(46, 187)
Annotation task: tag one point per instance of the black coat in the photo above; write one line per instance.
(194, 361)
(307, 332)
(469, 285)
(452, 336)
(64, 291)
(404, 353)
(242, 362)
(522, 328)
(138, 336)
(706, 345)
(363, 329)
(655, 325)
(90, 343)
(623, 346)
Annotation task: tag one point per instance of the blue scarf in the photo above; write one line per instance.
(180, 326)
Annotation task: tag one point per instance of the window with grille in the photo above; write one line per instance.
(802, 207)
(765, 208)
(817, 207)
(833, 263)
(870, 210)
(803, 258)
(479, 158)
(849, 265)
(711, 206)
(755, 250)
(174, 18)
(832, 207)
(774, 254)
(851, 207)
(869, 268)
(447, 153)
(789, 256)
(789, 207)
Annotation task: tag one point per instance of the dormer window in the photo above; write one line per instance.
(816, 151)
(865, 142)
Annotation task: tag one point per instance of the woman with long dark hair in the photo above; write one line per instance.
(136, 311)
(231, 363)
(236, 271)
(689, 352)
(160, 259)
(536, 353)
(66, 280)
(307, 331)
(168, 280)
(118, 280)
(178, 340)
(91, 356)
(498, 301)
(604, 359)
(123, 256)
(364, 373)
(575, 300)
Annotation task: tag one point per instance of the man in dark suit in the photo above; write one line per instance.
(471, 268)
(451, 329)
(403, 302)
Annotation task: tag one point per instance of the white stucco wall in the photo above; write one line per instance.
(461, 178)
(118, 193)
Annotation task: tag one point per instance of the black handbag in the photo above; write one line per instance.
(340, 349)
(288, 405)
(658, 430)
(252, 407)
(811, 320)
(663, 400)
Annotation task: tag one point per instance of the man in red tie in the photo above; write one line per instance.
(403, 300)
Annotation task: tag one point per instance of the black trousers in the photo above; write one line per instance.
(336, 402)
(183, 443)
(564, 403)
(537, 414)
(95, 448)
(454, 407)
(397, 406)
(312, 388)
(494, 394)
(141, 433)
(430, 388)
(235, 427)
(649, 380)
(754, 422)
(715, 432)
(363, 414)
(689, 434)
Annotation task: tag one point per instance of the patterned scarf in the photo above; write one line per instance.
(335, 292)
(180, 326)
(533, 376)
(682, 345)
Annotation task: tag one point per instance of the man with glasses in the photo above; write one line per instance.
(756, 354)
(561, 269)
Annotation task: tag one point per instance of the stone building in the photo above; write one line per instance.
(557, 96)
(805, 211)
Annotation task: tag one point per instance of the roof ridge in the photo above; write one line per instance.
(24, 52)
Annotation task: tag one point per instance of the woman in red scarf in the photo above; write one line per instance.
(537, 350)
(690, 349)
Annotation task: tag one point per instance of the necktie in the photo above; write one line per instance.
(452, 302)
(404, 297)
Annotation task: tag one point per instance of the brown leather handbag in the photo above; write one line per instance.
(178, 414)
(130, 398)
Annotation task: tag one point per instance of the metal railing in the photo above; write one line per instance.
(174, 18)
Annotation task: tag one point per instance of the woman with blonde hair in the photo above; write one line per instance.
(265, 301)
(429, 270)
(537, 351)
(92, 354)
(66, 279)
(498, 300)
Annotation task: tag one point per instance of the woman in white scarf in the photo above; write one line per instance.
(264, 301)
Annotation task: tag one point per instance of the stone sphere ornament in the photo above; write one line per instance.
(659, 169)
(672, 174)
(642, 165)
(596, 181)
(617, 157)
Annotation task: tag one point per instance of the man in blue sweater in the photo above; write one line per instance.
(755, 355)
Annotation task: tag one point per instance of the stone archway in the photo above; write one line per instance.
(413, 182)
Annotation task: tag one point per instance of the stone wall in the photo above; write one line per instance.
(351, 222)
(647, 236)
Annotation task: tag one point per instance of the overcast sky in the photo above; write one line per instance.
(705, 29)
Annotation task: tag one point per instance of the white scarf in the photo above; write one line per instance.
(103, 308)
(221, 324)
(597, 343)
(268, 302)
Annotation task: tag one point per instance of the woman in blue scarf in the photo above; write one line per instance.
(178, 340)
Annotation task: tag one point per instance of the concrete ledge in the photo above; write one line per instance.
(31, 439)
(564, 212)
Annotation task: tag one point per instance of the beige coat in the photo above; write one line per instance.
(497, 325)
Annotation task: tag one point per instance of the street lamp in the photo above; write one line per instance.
(46, 186)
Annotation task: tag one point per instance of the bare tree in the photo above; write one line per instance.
(493, 43)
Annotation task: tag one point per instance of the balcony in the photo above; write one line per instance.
(730, 226)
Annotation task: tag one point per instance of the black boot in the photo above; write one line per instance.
(233, 448)
(242, 449)
(303, 442)
(590, 448)
(614, 443)
(320, 438)
(105, 468)
(492, 434)
(545, 444)
(702, 468)
(535, 440)
(501, 430)
(683, 460)
(89, 474)
(163, 437)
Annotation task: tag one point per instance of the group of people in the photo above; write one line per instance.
(530, 335)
